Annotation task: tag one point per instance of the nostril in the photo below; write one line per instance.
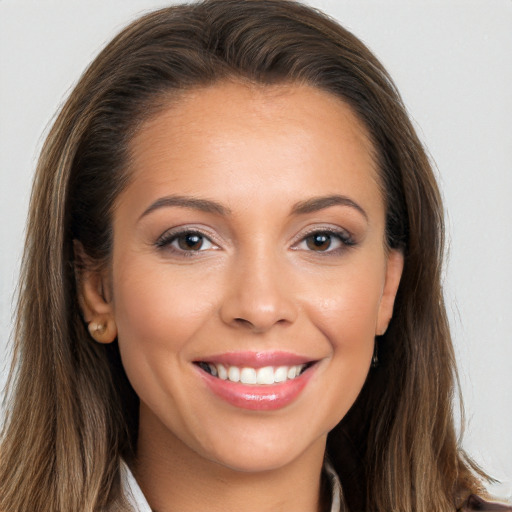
(257, 312)
(243, 321)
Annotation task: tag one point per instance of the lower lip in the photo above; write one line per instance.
(257, 398)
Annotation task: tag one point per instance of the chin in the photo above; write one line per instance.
(256, 461)
(255, 453)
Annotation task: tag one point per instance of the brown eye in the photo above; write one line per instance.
(319, 241)
(190, 241)
(185, 242)
(326, 241)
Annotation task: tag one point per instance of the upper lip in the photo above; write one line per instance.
(257, 359)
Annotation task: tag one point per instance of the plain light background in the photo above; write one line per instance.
(452, 62)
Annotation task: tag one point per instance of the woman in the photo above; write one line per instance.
(241, 221)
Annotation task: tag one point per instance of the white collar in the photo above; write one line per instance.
(132, 491)
(139, 503)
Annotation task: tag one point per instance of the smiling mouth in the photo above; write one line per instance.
(266, 375)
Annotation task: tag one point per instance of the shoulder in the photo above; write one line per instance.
(474, 502)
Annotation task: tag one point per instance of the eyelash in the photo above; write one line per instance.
(343, 237)
(168, 238)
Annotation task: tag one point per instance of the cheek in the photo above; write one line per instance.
(157, 310)
(346, 314)
(346, 307)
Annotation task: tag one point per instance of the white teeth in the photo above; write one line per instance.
(265, 375)
(234, 374)
(281, 374)
(222, 372)
(292, 372)
(246, 375)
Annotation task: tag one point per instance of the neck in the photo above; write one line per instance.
(175, 478)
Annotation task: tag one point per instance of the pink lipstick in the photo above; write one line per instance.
(256, 380)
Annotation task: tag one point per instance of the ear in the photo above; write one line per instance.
(394, 268)
(94, 298)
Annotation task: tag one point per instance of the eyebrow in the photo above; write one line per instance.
(204, 205)
(320, 203)
(207, 205)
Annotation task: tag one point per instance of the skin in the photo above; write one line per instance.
(257, 283)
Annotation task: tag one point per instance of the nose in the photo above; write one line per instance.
(258, 296)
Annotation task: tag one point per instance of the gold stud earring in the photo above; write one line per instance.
(96, 329)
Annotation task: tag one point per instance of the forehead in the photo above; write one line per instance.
(254, 136)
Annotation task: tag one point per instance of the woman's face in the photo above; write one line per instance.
(249, 244)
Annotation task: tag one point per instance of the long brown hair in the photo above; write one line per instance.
(73, 414)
